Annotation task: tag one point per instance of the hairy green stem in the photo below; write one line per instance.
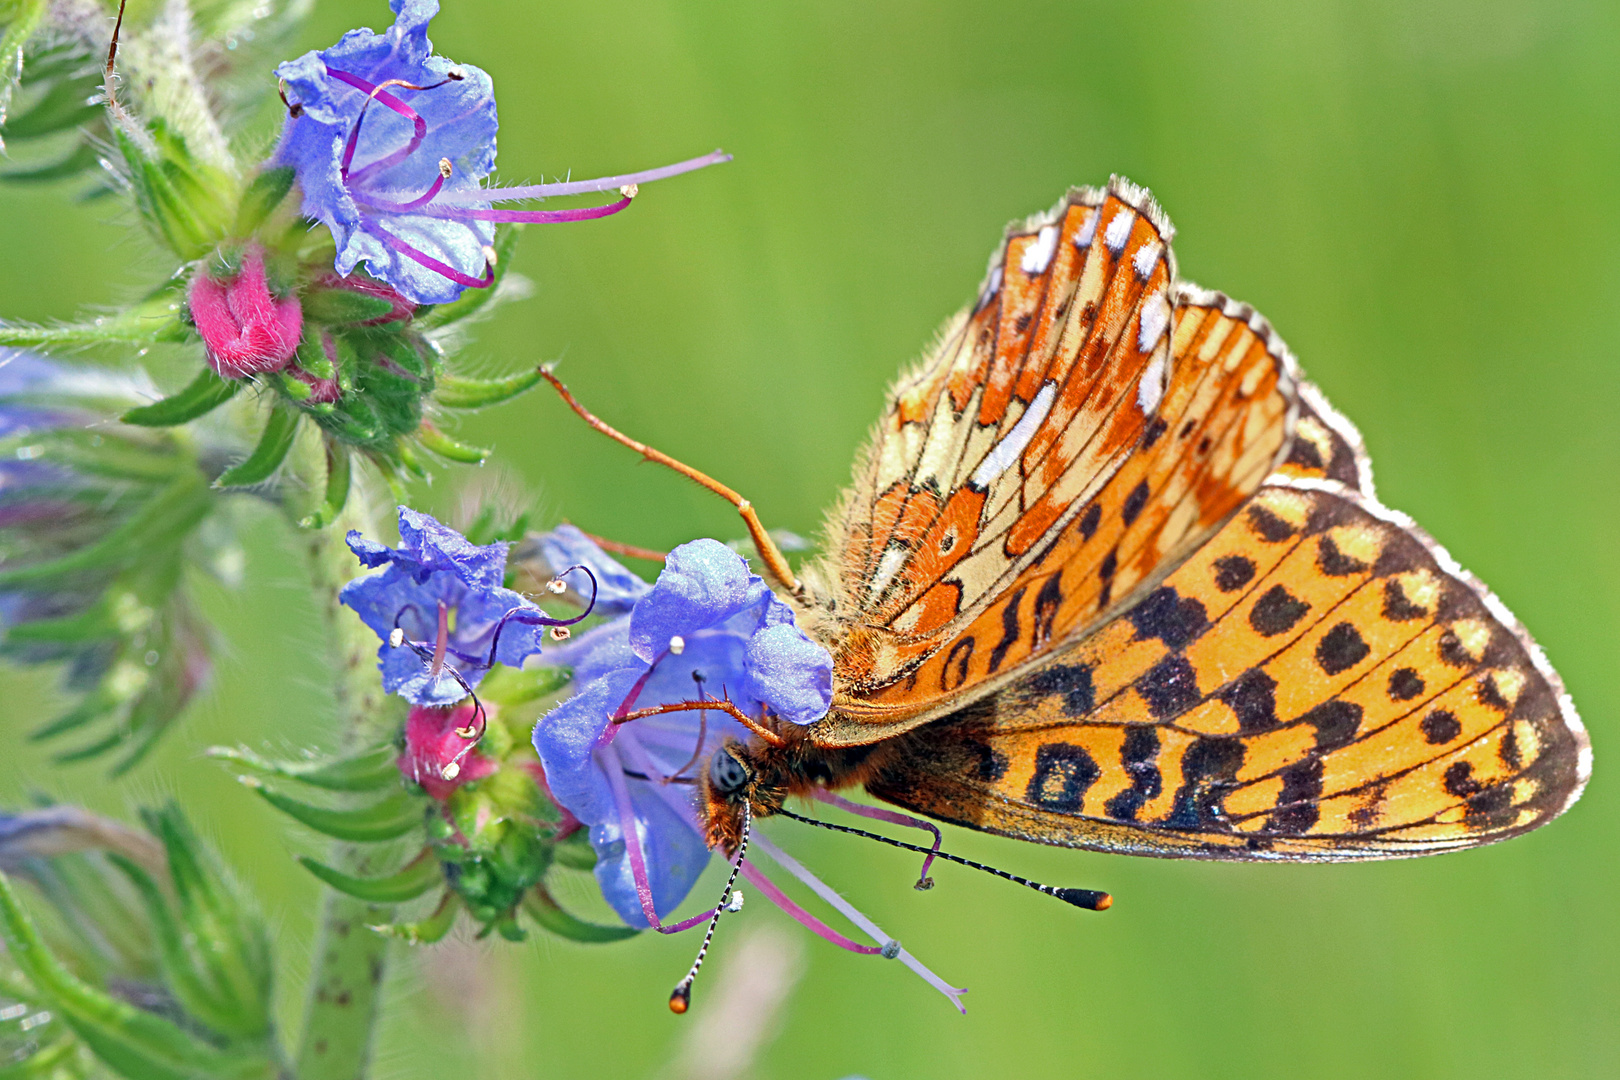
(347, 971)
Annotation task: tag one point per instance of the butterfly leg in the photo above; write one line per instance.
(775, 563)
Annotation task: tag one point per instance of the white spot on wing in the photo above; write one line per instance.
(990, 291)
(1150, 391)
(888, 566)
(1147, 259)
(1005, 452)
(1155, 317)
(1038, 256)
(1088, 231)
(1118, 231)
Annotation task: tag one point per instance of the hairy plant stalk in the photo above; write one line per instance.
(350, 960)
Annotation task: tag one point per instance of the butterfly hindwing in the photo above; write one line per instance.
(1319, 681)
(1068, 444)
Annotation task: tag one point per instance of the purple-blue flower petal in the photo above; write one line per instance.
(790, 673)
(703, 583)
(617, 589)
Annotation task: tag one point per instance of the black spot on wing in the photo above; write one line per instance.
(1336, 723)
(1110, 564)
(1460, 779)
(1232, 572)
(1334, 562)
(1170, 687)
(1253, 697)
(1166, 615)
(1268, 526)
(1047, 602)
(1153, 432)
(1341, 649)
(1276, 612)
(1297, 811)
(1134, 502)
(1073, 681)
(1063, 773)
(1440, 727)
(1009, 629)
(1397, 608)
(1207, 768)
(1090, 520)
(1137, 757)
(1405, 684)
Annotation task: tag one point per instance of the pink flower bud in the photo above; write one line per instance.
(438, 758)
(246, 330)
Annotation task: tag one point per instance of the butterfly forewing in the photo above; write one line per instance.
(1086, 427)
(1319, 681)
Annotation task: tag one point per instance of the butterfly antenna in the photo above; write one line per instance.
(680, 999)
(1090, 899)
(776, 564)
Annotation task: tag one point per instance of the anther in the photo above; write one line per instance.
(396, 637)
(735, 904)
(924, 884)
(490, 257)
(453, 769)
(677, 644)
(455, 74)
(561, 633)
(557, 585)
(444, 167)
(891, 949)
(630, 191)
(466, 732)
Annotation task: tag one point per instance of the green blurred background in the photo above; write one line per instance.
(1420, 196)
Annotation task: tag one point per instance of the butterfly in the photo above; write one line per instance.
(1113, 575)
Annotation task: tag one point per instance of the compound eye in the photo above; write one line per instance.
(726, 774)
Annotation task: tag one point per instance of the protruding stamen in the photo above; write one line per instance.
(396, 637)
(429, 261)
(630, 191)
(560, 633)
(677, 644)
(491, 257)
(877, 813)
(445, 168)
(441, 642)
(557, 585)
(584, 187)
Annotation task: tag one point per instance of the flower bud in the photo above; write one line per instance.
(245, 328)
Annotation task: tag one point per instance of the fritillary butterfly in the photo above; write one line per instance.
(1112, 575)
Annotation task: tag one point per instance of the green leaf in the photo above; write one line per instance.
(279, 432)
(83, 156)
(136, 1043)
(446, 447)
(24, 17)
(130, 327)
(383, 820)
(417, 877)
(263, 195)
(208, 391)
(60, 108)
(539, 906)
(369, 770)
(456, 392)
(159, 524)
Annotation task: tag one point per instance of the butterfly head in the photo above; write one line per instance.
(737, 776)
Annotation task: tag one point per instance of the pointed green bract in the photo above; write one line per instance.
(279, 431)
(384, 820)
(544, 910)
(456, 392)
(207, 392)
(369, 770)
(443, 445)
(417, 877)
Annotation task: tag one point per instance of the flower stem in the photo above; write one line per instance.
(350, 959)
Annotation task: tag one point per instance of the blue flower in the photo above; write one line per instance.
(707, 629)
(440, 608)
(391, 144)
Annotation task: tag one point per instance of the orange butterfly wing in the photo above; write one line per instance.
(1084, 428)
(1319, 682)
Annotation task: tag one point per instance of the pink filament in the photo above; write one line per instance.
(803, 917)
(891, 816)
(614, 768)
(583, 187)
(419, 125)
(429, 261)
(441, 642)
